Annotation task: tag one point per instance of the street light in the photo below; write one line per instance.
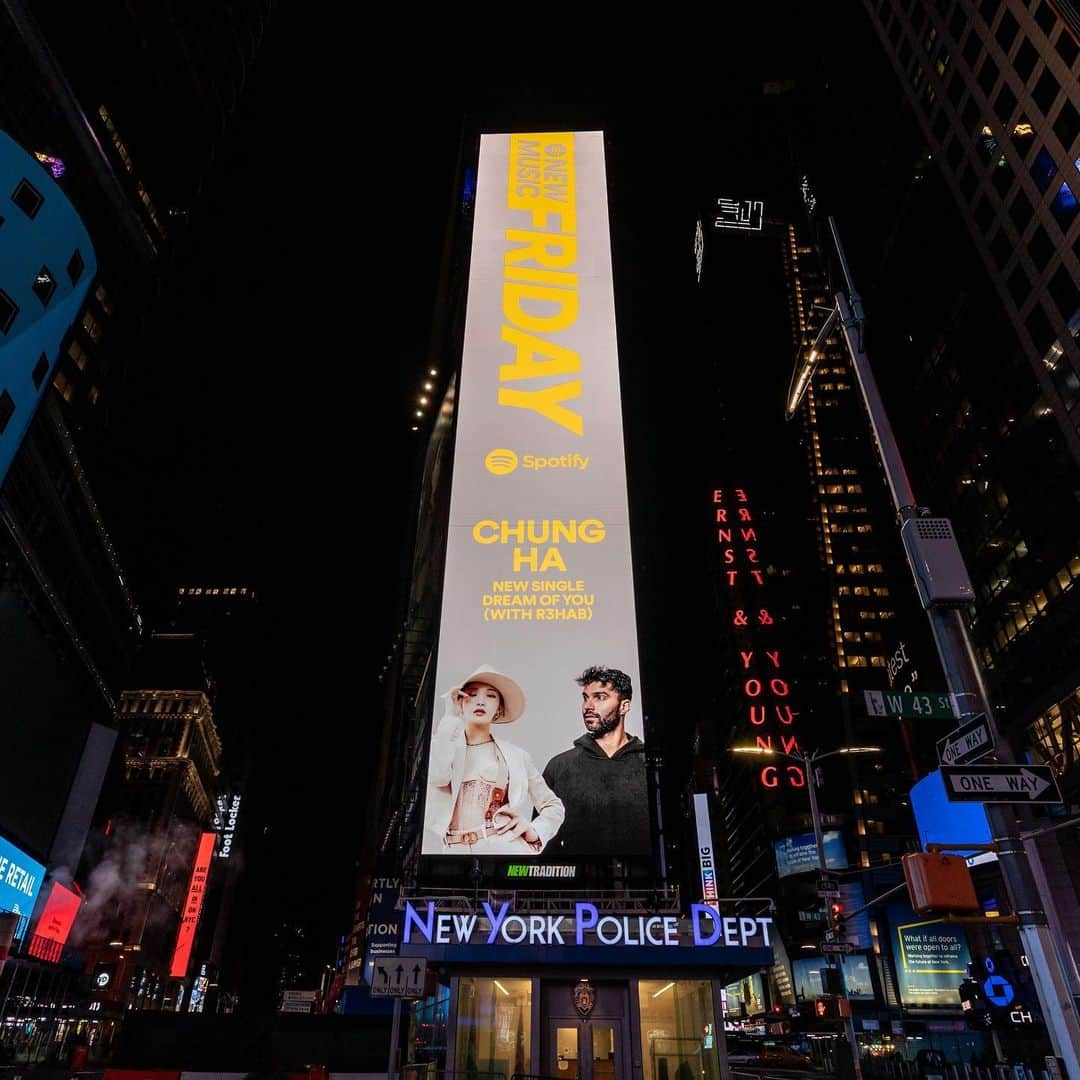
(808, 760)
(962, 673)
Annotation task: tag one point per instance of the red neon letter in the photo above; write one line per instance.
(752, 687)
(768, 776)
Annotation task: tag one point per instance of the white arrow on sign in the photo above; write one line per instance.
(1024, 782)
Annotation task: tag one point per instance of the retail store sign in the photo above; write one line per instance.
(499, 925)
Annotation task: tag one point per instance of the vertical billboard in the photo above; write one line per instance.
(536, 746)
(189, 917)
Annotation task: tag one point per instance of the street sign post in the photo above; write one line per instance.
(929, 705)
(969, 742)
(1030, 784)
(844, 947)
(399, 976)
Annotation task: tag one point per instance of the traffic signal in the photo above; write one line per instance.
(836, 918)
(831, 1008)
(939, 883)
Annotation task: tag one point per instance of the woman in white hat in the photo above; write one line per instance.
(483, 790)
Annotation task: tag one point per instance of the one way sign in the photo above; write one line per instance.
(398, 976)
(1000, 783)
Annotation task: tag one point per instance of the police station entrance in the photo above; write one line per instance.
(587, 1030)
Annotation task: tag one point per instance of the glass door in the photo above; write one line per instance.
(586, 1050)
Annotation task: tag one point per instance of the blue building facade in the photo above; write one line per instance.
(47, 264)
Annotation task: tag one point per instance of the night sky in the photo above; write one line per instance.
(263, 436)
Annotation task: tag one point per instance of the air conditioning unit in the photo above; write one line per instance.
(936, 561)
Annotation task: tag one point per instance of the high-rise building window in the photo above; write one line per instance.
(1043, 169)
(972, 47)
(1003, 175)
(8, 310)
(1006, 31)
(75, 267)
(44, 285)
(1065, 293)
(1067, 124)
(958, 22)
(988, 75)
(1045, 17)
(27, 198)
(1046, 91)
(41, 369)
(1064, 207)
(1067, 48)
(1025, 60)
(1019, 286)
(1020, 211)
(1004, 103)
(988, 9)
(7, 410)
(1001, 247)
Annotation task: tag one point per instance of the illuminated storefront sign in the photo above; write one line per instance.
(192, 906)
(51, 932)
(498, 925)
(226, 811)
(767, 698)
(20, 882)
(538, 582)
(931, 958)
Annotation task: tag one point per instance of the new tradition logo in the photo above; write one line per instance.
(501, 462)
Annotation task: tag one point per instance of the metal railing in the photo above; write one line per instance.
(624, 901)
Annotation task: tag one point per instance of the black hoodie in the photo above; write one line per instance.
(606, 799)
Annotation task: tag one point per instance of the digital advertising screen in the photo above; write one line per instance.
(20, 883)
(931, 958)
(537, 746)
(798, 854)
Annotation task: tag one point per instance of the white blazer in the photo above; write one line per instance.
(527, 789)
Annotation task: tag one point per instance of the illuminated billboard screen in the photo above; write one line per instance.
(20, 883)
(536, 746)
(797, 854)
(931, 957)
(55, 924)
(189, 919)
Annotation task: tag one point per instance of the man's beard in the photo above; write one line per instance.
(604, 725)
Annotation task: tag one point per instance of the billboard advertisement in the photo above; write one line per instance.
(189, 919)
(798, 854)
(54, 926)
(537, 738)
(20, 883)
(931, 958)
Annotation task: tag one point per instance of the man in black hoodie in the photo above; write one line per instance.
(601, 781)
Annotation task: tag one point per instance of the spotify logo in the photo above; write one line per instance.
(501, 462)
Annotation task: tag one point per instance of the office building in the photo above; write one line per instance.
(138, 925)
(977, 349)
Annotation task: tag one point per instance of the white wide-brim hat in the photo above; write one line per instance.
(513, 697)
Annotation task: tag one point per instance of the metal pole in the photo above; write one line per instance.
(964, 678)
(819, 837)
(395, 1031)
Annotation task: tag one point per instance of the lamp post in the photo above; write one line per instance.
(808, 760)
(962, 672)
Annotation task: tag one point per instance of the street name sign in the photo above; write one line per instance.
(845, 947)
(929, 705)
(1000, 783)
(971, 741)
(399, 976)
(828, 890)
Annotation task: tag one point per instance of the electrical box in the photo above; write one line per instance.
(936, 561)
(939, 883)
